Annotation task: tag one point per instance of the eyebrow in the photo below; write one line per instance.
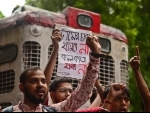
(35, 78)
(65, 88)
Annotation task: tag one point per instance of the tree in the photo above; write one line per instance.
(1, 15)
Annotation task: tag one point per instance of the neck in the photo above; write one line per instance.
(31, 105)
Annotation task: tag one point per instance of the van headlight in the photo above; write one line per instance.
(84, 20)
(105, 45)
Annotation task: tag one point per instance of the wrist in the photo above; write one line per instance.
(55, 46)
(110, 98)
(96, 55)
(136, 70)
(94, 59)
(99, 87)
(96, 50)
(108, 102)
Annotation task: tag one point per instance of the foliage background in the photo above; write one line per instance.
(130, 16)
(1, 15)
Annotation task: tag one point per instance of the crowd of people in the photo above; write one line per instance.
(34, 84)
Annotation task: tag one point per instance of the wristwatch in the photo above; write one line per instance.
(96, 55)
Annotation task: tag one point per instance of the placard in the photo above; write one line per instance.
(73, 55)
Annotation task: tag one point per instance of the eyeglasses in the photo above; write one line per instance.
(64, 90)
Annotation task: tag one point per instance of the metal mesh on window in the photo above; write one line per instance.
(124, 72)
(31, 54)
(107, 70)
(7, 81)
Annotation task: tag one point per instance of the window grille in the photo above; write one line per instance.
(107, 70)
(7, 81)
(31, 54)
(124, 72)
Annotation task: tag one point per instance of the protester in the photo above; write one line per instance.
(115, 98)
(34, 86)
(119, 101)
(80, 95)
(141, 84)
(60, 89)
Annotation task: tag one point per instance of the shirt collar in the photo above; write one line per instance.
(26, 108)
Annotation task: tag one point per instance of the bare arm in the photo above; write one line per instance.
(50, 66)
(99, 98)
(100, 90)
(141, 84)
(96, 102)
(56, 37)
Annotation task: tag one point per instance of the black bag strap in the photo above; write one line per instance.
(49, 108)
(8, 109)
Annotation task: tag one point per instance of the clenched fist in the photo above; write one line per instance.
(56, 37)
(93, 43)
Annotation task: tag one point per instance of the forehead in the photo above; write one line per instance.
(65, 85)
(35, 74)
(123, 95)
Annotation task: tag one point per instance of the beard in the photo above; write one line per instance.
(34, 99)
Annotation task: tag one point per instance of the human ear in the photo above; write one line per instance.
(21, 87)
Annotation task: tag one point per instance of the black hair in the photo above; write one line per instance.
(56, 81)
(106, 91)
(23, 75)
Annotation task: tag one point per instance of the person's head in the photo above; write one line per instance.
(60, 89)
(121, 102)
(33, 85)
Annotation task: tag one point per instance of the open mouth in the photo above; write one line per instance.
(40, 92)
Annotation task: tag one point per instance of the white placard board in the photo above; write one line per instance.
(73, 55)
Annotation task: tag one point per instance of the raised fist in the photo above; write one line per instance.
(56, 37)
(93, 43)
(116, 89)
